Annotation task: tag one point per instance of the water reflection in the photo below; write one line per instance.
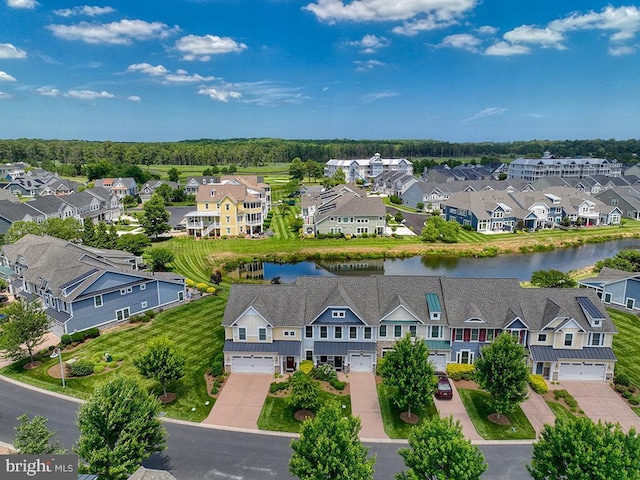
(519, 266)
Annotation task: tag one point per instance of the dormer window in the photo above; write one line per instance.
(338, 314)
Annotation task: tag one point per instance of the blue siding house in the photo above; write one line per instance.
(82, 287)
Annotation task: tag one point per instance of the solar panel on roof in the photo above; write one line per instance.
(588, 306)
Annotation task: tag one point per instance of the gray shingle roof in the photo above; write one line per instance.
(14, 212)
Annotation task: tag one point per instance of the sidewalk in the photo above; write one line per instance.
(455, 408)
(537, 411)
(364, 404)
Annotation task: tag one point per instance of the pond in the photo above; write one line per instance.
(519, 266)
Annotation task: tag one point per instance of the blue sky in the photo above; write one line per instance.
(453, 70)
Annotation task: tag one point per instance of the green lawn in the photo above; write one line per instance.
(393, 425)
(277, 414)
(560, 411)
(195, 327)
(478, 405)
(625, 344)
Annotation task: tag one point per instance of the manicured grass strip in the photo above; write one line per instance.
(478, 405)
(277, 414)
(195, 327)
(625, 344)
(393, 425)
(560, 411)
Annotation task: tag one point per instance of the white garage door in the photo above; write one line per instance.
(439, 361)
(251, 364)
(581, 371)
(361, 363)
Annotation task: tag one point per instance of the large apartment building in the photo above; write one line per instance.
(531, 169)
(367, 168)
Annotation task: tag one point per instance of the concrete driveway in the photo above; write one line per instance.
(537, 411)
(600, 402)
(364, 404)
(240, 401)
(455, 408)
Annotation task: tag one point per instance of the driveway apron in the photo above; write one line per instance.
(240, 401)
(454, 407)
(537, 411)
(600, 402)
(364, 404)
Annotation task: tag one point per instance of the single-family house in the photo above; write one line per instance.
(149, 188)
(343, 210)
(120, 187)
(193, 183)
(616, 287)
(82, 287)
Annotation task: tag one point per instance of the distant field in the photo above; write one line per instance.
(272, 171)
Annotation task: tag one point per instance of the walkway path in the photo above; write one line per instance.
(240, 401)
(455, 408)
(537, 411)
(364, 404)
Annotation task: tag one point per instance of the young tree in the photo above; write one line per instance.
(162, 361)
(408, 374)
(329, 448)
(305, 392)
(580, 449)
(438, 230)
(26, 324)
(552, 278)
(439, 451)
(119, 428)
(501, 371)
(19, 229)
(34, 438)
(133, 242)
(88, 233)
(297, 169)
(67, 229)
(173, 174)
(155, 217)
(159, 258)
(165, 191)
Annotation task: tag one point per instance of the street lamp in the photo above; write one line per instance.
(58, 353)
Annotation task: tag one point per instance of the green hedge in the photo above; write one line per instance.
(461, 371)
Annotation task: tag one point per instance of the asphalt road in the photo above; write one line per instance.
(194, 452)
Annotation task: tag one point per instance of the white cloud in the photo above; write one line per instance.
(368, 65)
(463, 41)
(48, 92)
(371, 43)
(216, 93)
(5, 77)
(618, 50)
(88, 94)
(545, 37)
(194, 47)
(487, 112)
(9, 51)
(182, 76)
(372, 97)
(537, 116)
(325, 89)
(134, 98)
(487, 30)
(123, 32)
(147, 68)
(4, 96)
(84, 10)
(506, 49)
(22, 4)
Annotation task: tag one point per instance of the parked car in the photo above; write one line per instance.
(180, 226)
(443, 387)
(4, 299)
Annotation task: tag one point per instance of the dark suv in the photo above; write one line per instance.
(443, 387)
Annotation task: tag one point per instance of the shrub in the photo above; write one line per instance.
(634, 401)
(461, 371)
(65, 340)
(622, 379)
(150, 314)
(217, 365)
(538, 384)
(78, 336)
(306, 366)
(81, 368)
(118, 357)
(621, 388)
(202, 287)
(337, 384)
(566, 396)
(211, 290)
(214, 390)
(189, 282)
(93, 332)
(627, 394)
(277, 386)
(325, 372)
(98, 369)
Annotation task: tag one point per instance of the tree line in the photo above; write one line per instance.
(69, 157)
